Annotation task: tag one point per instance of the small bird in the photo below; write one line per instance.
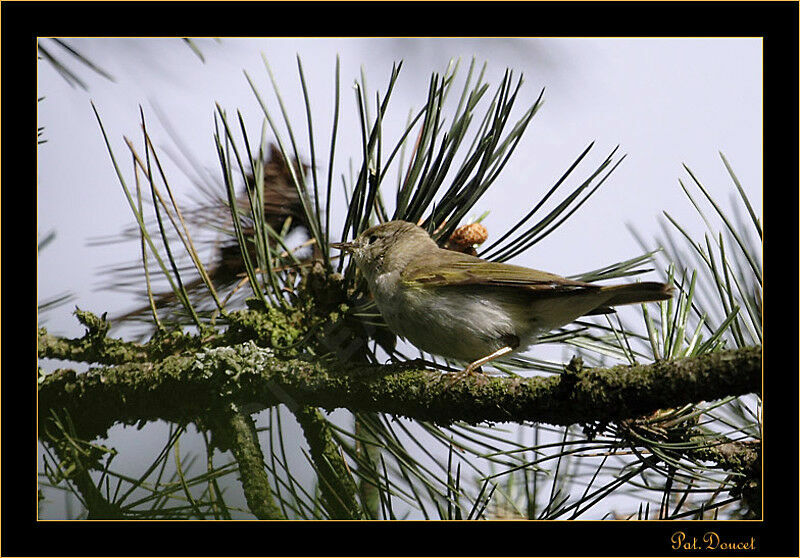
(464, 308)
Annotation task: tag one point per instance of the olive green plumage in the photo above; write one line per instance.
(462, 307)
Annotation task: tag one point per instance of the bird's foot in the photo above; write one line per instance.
(470, 371)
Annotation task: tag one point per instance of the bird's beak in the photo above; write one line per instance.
(344, 246)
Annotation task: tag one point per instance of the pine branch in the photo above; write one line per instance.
(236, 431)
(335, 481)
(743, 458)
(245, 373)
(75, 462)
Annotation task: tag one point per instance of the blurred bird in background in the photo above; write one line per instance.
(283, 212)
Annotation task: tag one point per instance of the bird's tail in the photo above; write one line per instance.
(634, 293)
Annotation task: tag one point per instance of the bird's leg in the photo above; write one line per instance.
(512, 342)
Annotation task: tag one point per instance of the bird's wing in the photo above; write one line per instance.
(453, 268)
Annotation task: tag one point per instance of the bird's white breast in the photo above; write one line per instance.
(446, 321)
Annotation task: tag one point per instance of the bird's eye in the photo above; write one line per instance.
(372, 239)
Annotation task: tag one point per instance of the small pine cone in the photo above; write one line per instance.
(466, 237)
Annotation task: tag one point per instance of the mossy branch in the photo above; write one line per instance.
(245, 373)
(743, 457)
(236, 431)
(336, 483)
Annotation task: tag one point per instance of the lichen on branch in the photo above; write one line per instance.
(247, 373)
